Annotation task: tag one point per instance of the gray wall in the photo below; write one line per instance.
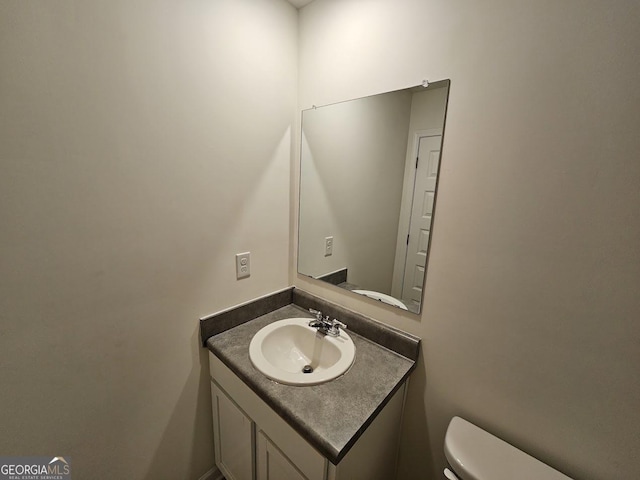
(142, 144)
(531, 316)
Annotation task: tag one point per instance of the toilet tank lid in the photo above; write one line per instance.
(475, 454)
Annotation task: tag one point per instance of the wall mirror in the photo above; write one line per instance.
(368, 184)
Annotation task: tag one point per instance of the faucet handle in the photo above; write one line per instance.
(335, 327)
(317, 313)
(337, 323)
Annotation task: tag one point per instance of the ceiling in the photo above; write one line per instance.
(299, 3)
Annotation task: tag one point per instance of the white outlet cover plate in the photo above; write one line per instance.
(243, 265)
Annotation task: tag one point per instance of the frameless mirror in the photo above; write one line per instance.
(368, 184)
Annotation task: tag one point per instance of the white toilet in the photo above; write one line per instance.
(474, 454)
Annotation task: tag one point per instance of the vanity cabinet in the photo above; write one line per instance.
(253, 442)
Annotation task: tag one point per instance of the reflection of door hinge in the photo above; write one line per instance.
(417, 158)
(407, 239)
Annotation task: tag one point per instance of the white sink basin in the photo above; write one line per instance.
(283, 349)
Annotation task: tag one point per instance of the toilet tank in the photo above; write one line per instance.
(475, 454)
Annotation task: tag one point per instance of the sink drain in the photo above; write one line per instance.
(307, 369)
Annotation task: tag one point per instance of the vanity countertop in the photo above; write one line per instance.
(333, 415)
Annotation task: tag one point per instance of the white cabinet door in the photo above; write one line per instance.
(233, 437)
(272, 464)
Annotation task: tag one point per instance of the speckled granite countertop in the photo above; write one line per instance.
(333, 415)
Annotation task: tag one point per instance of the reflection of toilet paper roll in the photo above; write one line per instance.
(450, 475)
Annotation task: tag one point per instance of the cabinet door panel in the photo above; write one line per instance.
(306, 458)
(272, 464)
(233, 437)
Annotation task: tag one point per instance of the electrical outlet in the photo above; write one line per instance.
(328, 246)
(243, 265)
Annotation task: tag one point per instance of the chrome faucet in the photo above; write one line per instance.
(324, 325)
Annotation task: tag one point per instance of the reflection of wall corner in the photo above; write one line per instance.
(335, 278)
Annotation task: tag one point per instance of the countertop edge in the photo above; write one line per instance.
(373, 415)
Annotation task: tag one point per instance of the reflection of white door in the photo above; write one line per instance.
(420, 222)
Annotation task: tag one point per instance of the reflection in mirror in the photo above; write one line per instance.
(368, 183)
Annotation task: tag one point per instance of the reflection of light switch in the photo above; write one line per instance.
(243, 265)
(328, 246)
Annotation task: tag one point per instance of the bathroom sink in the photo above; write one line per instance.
(389, 300)
(291, 352)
